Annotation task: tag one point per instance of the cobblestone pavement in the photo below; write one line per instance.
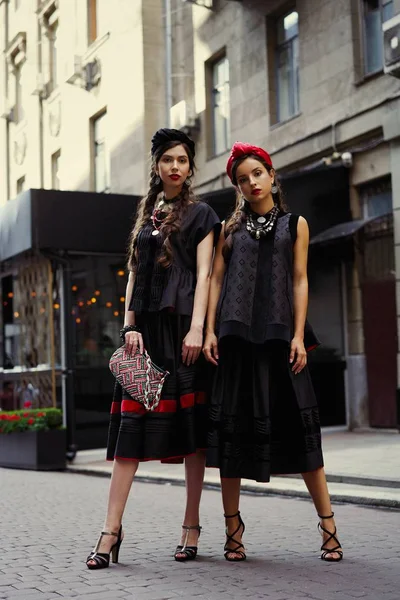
(50, 521)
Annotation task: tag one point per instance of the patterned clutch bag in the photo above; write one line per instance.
(139, 376)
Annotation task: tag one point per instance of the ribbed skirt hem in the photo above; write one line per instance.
(263, 419)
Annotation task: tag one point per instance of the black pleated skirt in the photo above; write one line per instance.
(264, 420)
(178, 426)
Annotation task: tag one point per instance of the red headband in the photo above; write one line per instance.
(241, 149)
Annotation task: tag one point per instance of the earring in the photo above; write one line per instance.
(188, 181)
(157, 180)
(274, 188)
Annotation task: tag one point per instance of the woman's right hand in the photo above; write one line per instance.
(210, 348)
(133, 341)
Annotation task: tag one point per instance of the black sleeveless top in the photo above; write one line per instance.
(256, 302)
(156, 287)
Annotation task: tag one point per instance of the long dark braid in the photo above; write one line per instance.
(239, 214)
(172, 223)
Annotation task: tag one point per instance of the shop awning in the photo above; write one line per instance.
(70, 221)
(342, 231)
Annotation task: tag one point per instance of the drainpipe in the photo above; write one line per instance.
(40, 96)
(168, 60)
(6, 87)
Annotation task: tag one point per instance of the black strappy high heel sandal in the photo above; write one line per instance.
(190, 552)
(231, 538)
(102, 559)
(332, 536)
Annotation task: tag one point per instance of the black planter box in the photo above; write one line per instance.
(36, 450)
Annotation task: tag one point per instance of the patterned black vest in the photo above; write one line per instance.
(256, 302)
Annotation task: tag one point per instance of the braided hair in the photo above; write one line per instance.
(172, 223)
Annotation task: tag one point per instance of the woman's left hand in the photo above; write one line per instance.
(192, 345)
(298, 354)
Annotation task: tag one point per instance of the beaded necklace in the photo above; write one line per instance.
(259, 226)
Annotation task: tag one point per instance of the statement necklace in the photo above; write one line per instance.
(161, 210)
(260, 226)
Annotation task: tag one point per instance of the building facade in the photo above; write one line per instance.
(85, 84)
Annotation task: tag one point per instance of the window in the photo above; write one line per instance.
(98, 13)
(287, 66)
(100, 155)
(375, 12)
(19, 111)
(53, 58)
(55, 170)
(20, 185)
(92, 20)
(220, 106)
(377, 198)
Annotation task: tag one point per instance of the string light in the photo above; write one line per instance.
(121, 273)
(16, 315)
(122, 299)
(74, 288)
(81, 303)
(56, 306)
(33, 294)
(109, 304)
(10, 295)
(97, 293)
(77, 320)
(89, 303)
(5, 303)
(93, 300)
(116, 313)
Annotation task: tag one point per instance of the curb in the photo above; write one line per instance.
(253, 490)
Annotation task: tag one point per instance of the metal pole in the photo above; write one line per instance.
(168, 60)
(68, 361)
(343, 281)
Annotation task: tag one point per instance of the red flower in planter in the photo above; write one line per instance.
(40, 414)
(27, 404)
(26, 414)
(31, 421)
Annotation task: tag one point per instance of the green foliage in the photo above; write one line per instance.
(41, 419)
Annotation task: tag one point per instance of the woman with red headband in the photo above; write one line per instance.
(264, 415)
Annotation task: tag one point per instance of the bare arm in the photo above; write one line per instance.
(133, 339)
(217, 279)
(193, 342)
(129, 314)
(300, 295)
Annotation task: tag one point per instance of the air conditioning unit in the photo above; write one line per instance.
(204, 3)
(43, 88)
(391, 46)
(74, 69)
(92, 74)
(180, 118)
(9, 113)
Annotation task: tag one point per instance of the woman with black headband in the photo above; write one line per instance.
(170, 258)
(264, 415)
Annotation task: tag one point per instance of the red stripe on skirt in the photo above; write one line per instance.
(165, 406)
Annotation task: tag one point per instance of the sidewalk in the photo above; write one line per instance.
(362, 468)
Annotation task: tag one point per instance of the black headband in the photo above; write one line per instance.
(163, 136)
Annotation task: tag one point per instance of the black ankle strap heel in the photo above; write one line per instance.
(102, 559)
(230, 538)
(332, 536)
(189, 552)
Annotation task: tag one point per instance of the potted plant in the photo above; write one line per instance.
(32, 439)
